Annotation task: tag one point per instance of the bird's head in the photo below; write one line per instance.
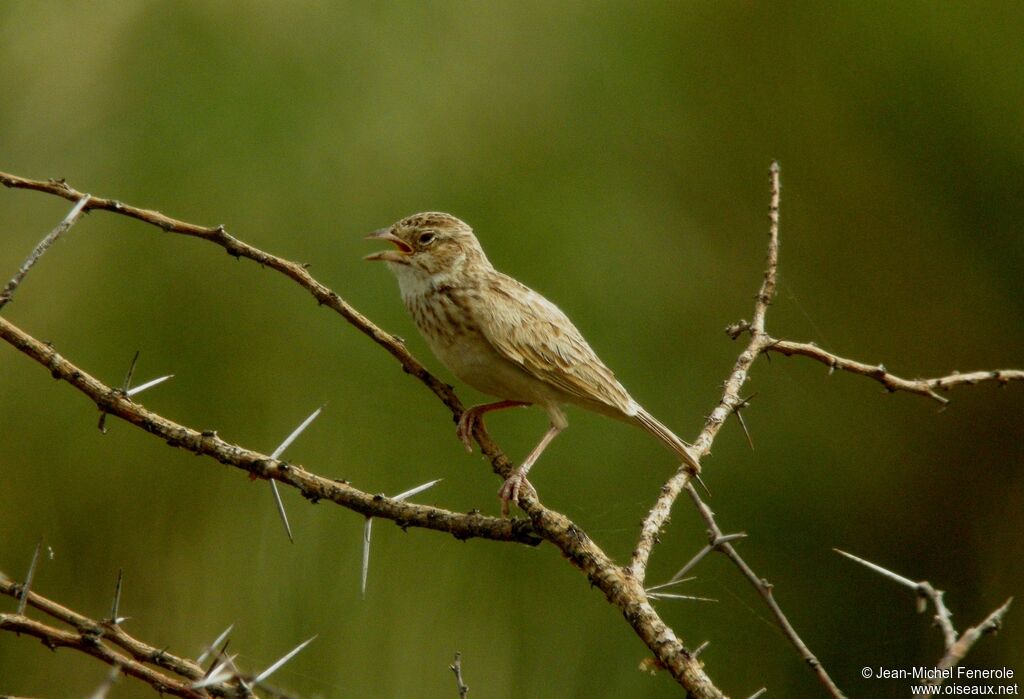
(429, 247)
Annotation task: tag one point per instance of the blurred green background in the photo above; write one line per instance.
(611, 155)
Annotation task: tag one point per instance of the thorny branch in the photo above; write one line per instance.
(955, 653)
(76, 211)
(719, 541)
(878, 372)
(730, 402)
(54, 638)
(619, 587)
(957, 646)
(659, 515)
(623, 586)
(313, 487)
(109, 643)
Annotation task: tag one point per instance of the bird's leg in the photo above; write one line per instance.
(471, 416)
(509, 491)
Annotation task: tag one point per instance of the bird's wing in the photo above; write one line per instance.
(527, 329)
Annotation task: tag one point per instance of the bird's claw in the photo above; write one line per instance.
(464, 431)
(509, 491)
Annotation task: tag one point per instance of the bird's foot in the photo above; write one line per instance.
(467, 423)
(472, 417)
(509, 491)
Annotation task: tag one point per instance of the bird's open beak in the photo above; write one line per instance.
(398, 255)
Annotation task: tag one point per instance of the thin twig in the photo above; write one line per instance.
(659, 515)
(959, 650)
(53, 638)
(42, 247)
(771, 269)
(891, 382)
(764, 588)
(312, 487)
(456, 667)
(620, 588)
(89, 628)
(957, 646)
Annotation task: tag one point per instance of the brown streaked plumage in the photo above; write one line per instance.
(501, 337)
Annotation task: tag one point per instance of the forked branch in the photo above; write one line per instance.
(957, 645)
(730, 402)
(621, 589)
(236, 248)
(623, 586)
(659, 515)
(109, 643)
(764, 588)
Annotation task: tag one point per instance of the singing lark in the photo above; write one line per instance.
(502, 338)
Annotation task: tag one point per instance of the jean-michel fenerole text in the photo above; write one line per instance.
(936, 673)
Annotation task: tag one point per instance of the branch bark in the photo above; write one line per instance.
(54, 638)
(659, 515)
(312, 486)
(893, 383)
(107, 641)
(956, 652)
(96, 630)
(721, 542)
(617, 583)
(957, 645)
(622, 585)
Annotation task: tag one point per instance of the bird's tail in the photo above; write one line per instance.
(669, 439)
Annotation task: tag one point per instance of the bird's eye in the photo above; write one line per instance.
(426, 238)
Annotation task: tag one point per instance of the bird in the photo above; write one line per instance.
(503, 338)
